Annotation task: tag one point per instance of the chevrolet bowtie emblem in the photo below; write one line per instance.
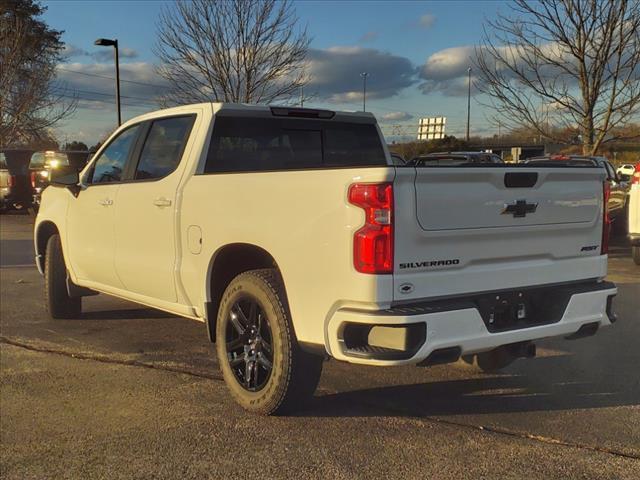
(519, 208)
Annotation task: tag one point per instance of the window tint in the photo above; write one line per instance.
(109, 166)
(253, 144)
(163, 147)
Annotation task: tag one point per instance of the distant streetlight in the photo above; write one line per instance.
(105, 42)
(364, 76)
(468, 102)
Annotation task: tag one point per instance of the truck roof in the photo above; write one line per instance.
(242, 109)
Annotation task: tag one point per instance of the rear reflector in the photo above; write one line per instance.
(606, 220)
(373, 243)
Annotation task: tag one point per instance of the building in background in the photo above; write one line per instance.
(431, 128)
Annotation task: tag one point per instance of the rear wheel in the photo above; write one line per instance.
(635, 253)
(59, 303)
(261, 362)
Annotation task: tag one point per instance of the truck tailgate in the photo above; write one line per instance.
(462, 230)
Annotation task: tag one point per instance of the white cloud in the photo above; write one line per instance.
(427, 20)
(396, 117)
(105, 54)
(101, 55)
(448, 63)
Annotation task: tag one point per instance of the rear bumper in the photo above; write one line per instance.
(462, 328)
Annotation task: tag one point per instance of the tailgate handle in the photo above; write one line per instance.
(520, 179)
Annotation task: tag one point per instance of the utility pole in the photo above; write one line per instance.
(364, 76)
(468, 102)
(301, 96)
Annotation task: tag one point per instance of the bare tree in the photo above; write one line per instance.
(557, 64)
(232, 51)
(29, 52)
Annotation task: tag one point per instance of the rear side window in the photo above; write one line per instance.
(163, 147)
(262, 144)
(109, 167)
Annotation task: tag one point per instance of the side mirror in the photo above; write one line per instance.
(64, 176)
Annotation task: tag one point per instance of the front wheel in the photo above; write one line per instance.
(263, 366)
(59, 303)
(635, 253)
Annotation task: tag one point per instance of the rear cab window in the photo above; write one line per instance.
(241, 144)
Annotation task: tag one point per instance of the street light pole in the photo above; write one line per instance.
(364, 76)
(105, 42)
(468, 102)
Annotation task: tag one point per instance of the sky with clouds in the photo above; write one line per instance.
(416, 54)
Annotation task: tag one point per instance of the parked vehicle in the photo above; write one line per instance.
(450, 159)
(617, 189)
(43, 162)
(15, 189)
(626, 169)
(290, 233)
(4, 182)
(397, 159)
(634, 214)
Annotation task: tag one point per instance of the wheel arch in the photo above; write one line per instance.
(226, 263)
(44, 231)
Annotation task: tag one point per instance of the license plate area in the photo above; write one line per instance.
(512, 310)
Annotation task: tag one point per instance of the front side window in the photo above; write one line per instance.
(109, 166)
(241, 144)
(163, 147)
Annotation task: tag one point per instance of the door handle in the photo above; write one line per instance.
(105, 202)
(162, 202)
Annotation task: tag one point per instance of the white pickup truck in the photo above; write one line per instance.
(290, 233)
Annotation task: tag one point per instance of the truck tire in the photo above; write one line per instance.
(59, 303)
(635, 253)
(264, 368)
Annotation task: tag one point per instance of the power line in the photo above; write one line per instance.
(147, 101)
(102, 101)
(144, 84)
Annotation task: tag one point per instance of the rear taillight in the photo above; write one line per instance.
(33, 179)
(373, 243)
(635, 179)
(606, 220)
(11, 181)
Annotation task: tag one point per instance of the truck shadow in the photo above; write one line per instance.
(553, 387)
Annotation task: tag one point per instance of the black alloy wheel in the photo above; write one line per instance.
(249, 344)
(261, 362)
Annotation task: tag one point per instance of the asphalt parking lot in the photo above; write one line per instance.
(130, 392)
